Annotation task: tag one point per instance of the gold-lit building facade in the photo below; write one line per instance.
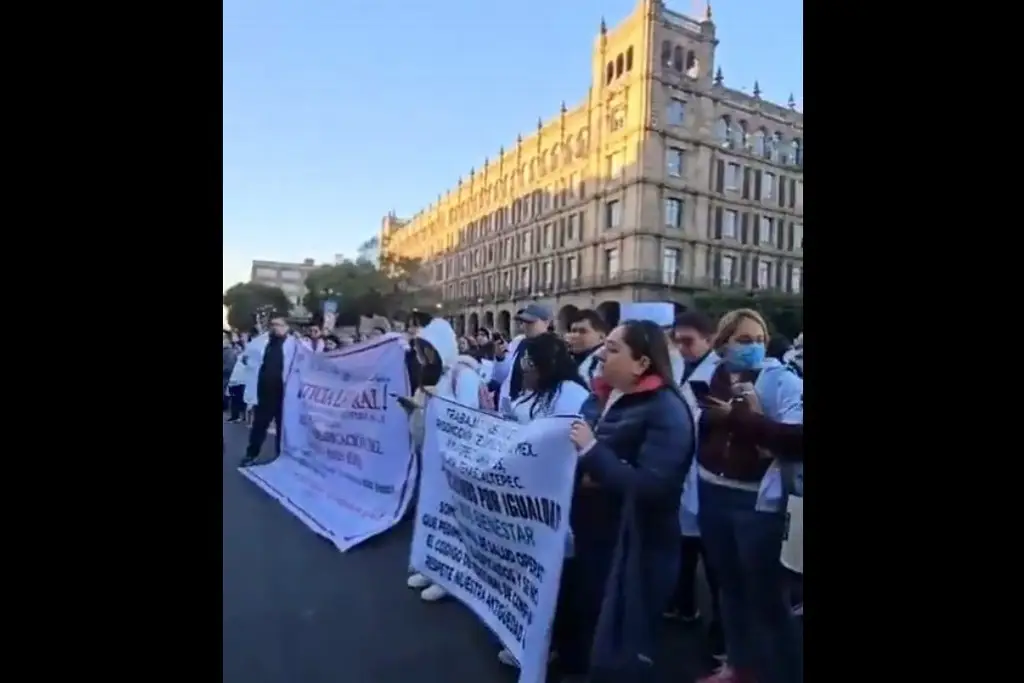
(663, 183)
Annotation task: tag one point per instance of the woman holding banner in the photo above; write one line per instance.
(636, 443)
(442, 373)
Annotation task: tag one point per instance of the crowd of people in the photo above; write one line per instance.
(696, 423)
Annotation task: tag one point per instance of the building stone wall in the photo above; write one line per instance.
(661, 183)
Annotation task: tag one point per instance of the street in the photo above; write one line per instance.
(298, 611)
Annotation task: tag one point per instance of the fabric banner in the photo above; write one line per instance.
(346, 468)
(493, 518)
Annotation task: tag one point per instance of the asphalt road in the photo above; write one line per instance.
(298, 611)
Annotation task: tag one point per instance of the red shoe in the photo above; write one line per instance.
(726, 674)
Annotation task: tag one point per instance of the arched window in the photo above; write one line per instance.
(798, 152)
(692, 65)
(582, 143)
(759, 142)
(722, 129)
(609, 73)
(666, 54)
(776, 146)
(554, 158)
(629, 58)
(620, 65)
(531, 170)
(740, 135)
(543, 165)
(677, 58)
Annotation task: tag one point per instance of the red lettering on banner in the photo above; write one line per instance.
(370, 398)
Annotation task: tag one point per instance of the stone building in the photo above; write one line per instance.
(661, 183)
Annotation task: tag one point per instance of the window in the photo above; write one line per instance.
(729, 225)
(794, 280)
(617, 119)
(629, 58)
(524, 277)
(547, 236)
(611, 262)
(768, 231)
(572, 267)
(609, 73)
(674, 213)
(760, 144)
(614, 165)
(506, 280)
(728, 266)
(732, 176)
(723, 131)
(677, 58)
(797, 154)
(775, 146)
(613, 214)
(570, 227)
(666, 54)
(669, 266)
(768, 186)
(268, 273)
(764, 274)
(675, 112)
(547, 274)
(674, 162)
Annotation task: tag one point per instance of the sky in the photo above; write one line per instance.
(337, 112)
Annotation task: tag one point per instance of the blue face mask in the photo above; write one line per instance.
(740, 357)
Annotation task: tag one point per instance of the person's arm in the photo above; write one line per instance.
(781, 433)
(662, 463)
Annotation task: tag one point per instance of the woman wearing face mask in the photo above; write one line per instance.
(443, 372)
(635, 444)
(754, 411)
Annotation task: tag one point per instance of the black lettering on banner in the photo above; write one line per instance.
(430, 521)
(446, 508)
(430, 540)
(439, 567)
(529, 587)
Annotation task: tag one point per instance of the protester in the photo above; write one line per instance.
(413, 324)
(236, 388)
(636, 445)
(551, 383)
(535, 320)
(777, 347)
(585, 337)
(229, 355)
(794, 358)
(692, 335)
(551, 386)
(754, 409)
(441, 374)
(270, 382)
(314, 340)
(253, 356)
(331, 343)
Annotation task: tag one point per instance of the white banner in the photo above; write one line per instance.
(346, 468)
(492, 521)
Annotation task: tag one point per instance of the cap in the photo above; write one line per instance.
(533, 313)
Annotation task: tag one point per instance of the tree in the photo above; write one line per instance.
(360, 287)
(784, 313)
(246, 298)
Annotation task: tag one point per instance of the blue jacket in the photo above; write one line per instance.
(626, 518)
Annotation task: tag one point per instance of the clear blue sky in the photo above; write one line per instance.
(337, 111)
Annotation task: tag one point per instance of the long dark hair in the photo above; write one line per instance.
(645, 338)
(553, 364)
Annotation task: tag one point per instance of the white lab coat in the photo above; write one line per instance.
(690, 504)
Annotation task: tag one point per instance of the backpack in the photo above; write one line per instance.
(484, 396)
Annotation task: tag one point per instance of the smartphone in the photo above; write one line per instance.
(700, 389)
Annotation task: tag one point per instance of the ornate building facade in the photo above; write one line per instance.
(662, 183)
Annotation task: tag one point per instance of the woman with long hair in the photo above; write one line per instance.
(751, 418)
(552, 384)
(635, 443)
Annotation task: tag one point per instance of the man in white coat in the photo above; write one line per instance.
(270, 383)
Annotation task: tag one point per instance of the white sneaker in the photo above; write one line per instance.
(506, 658)
(417, 581)
(433, 593)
